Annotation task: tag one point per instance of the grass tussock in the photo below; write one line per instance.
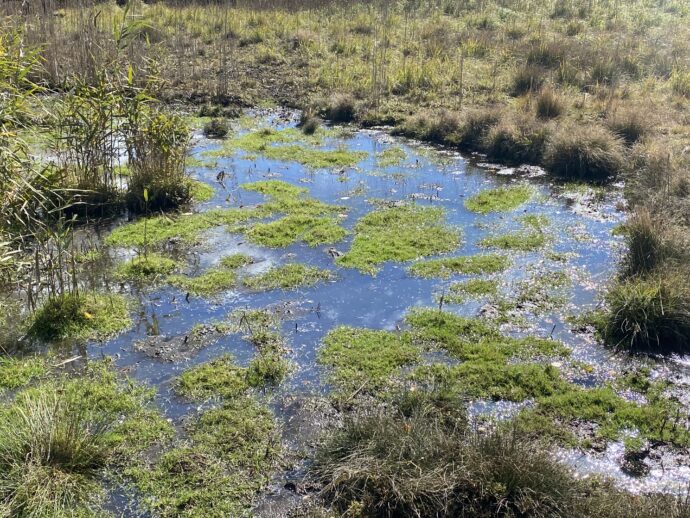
(591, 154)
(87, 316)
(549, 104)
(650, 314)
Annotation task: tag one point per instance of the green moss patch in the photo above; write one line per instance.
(280, 145)
(218, 378)
(87, 316)
(518, 241)
(18, 372)
(235, 261)
(475, 339)
(306, 219)
(610, 412)
(275, 188)
(473, 264)
(364, 356)
(503, 199)
(398, 234)
(146, 267)
(201, 191)
(490, 380)
(214, 280)
(285, 231)
(287, 277)
(211, 282)
(473, 288)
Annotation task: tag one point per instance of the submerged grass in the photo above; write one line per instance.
(84, 316)
(473, 288)
(280, 145)
(158, 230)
(466, 265)
(398, 234)
(518, 241)
(502, 199)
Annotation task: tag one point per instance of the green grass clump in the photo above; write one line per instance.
(144, 267)
(475, 288)
(18, 372)
(201, 191)
(268, 368)
(296, 227)
(365, 356)
(398, 234)
(211, 282)
(235, 261)
(423, 462)
(518, 241)
(503, 199)
(390, 156)
(85, 316)
(218, 378)
(648, 314)
(467, 265)
(287, 277)
(232, 453)
(58, 439)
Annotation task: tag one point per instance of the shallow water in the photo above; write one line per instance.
(579, 227)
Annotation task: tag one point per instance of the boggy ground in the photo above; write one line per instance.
(277, 314)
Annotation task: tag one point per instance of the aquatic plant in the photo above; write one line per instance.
(519, 241)
(502, 199)
(18, 372)
(467, 265)
(398, 234)
(287, 277)
(474, 288)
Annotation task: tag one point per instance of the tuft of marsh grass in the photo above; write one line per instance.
(87, 316)
(592, 153)
(650, 314)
